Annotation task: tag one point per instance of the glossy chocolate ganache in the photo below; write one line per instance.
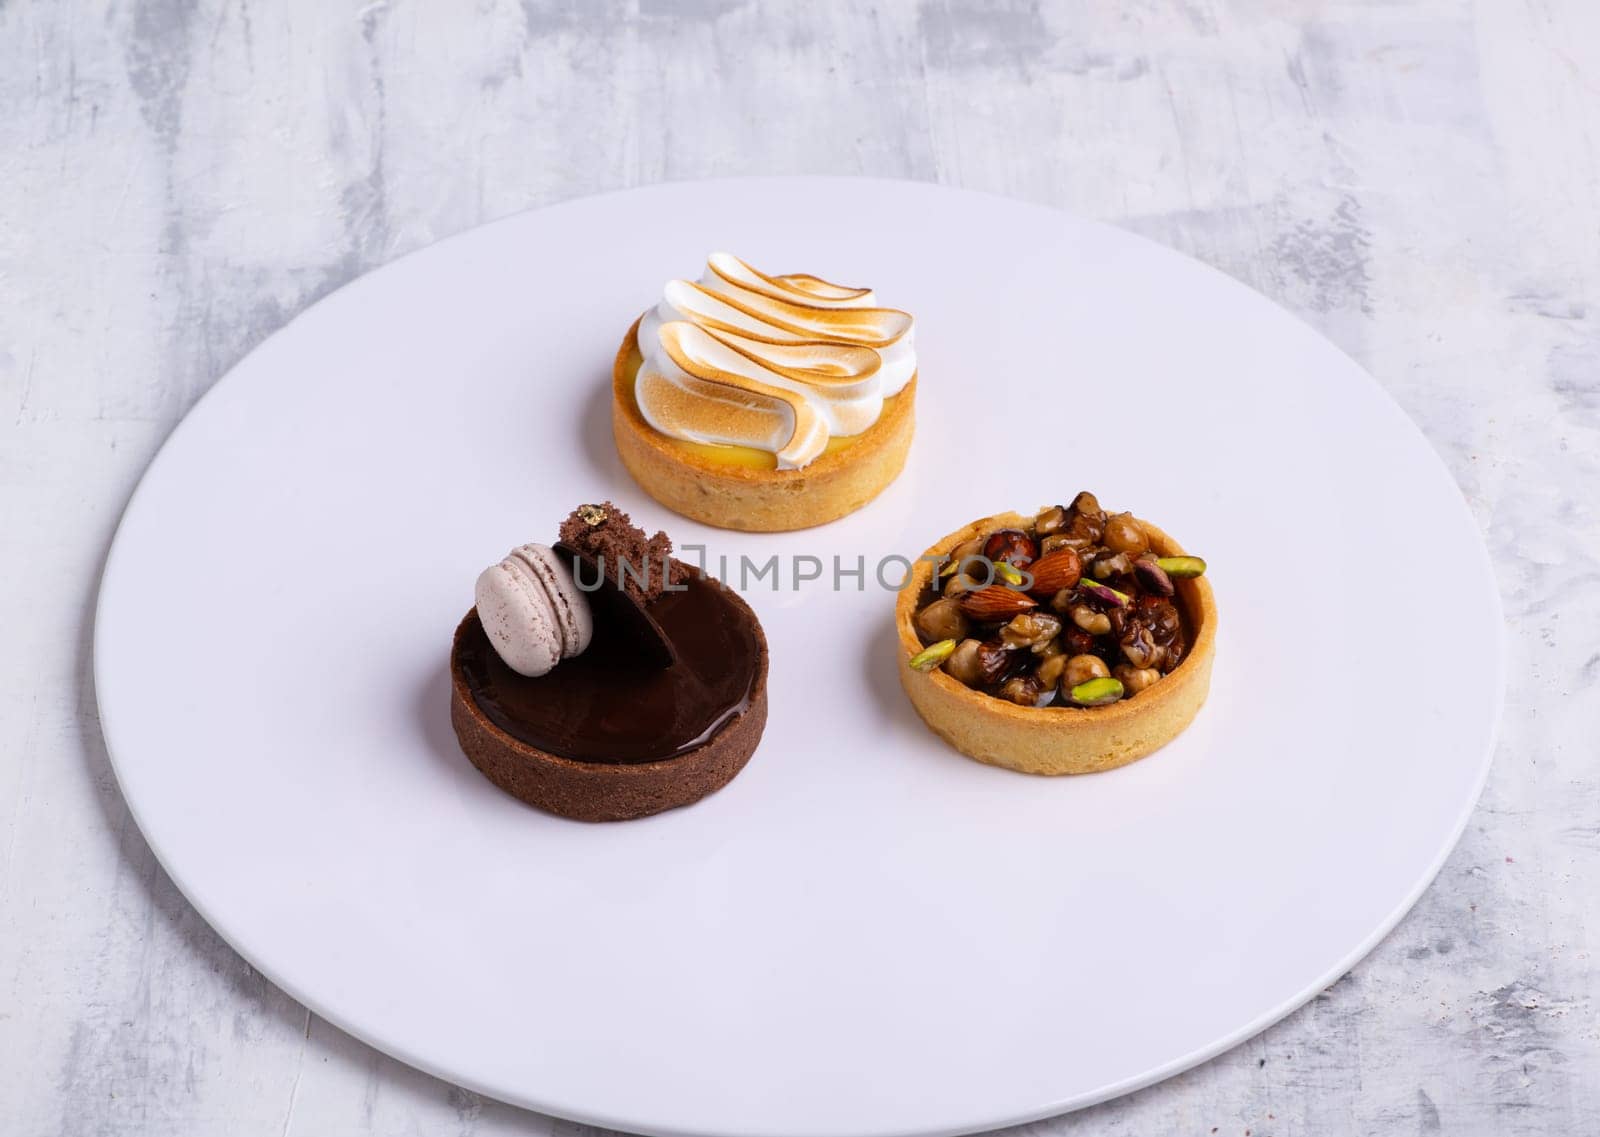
(617, 703)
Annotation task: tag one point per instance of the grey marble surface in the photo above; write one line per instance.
(1419, 178)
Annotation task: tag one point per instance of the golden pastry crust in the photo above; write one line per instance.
(1058, 740)
(755, 500)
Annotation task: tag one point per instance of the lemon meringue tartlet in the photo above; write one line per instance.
(764, 403)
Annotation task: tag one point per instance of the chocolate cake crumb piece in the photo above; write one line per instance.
(604, 533)
(661, 554)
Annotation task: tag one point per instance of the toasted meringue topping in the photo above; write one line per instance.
(777, 363)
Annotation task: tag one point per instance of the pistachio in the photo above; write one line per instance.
(1030, 629)
(1095, 623)
(1049, 673)
(1181, 568)
(1153, 576)
(1095, 693)
(932, 655)
(1006, 572)
(942, 620)
(1136, 679)
(1104, 593)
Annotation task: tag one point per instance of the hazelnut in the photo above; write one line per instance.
(961, 553)
(1011, 546)
(1125, 535)
(961, 583)
(941, 620)
(964, 665)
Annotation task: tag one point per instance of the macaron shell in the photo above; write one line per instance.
(518, 617)
(571, 606)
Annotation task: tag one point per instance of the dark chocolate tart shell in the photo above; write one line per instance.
(595, 791)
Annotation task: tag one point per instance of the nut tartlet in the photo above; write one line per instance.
(764, 403)
(1091, 647)
(652, 695)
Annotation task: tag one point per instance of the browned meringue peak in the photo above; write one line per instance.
(818, 289)
(834, 366)
(803, 358)
(800, 287)
(783, 321)
(730, 404)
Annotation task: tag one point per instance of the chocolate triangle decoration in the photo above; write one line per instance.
(616, 613)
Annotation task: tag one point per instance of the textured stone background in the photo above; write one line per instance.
(1419, 178)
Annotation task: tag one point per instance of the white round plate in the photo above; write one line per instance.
(865, 933)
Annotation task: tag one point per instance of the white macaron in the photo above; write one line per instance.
(533, 611)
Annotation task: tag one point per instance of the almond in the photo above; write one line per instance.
(996, 602)
(1054, 571)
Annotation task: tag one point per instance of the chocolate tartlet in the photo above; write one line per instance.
(666, 704)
